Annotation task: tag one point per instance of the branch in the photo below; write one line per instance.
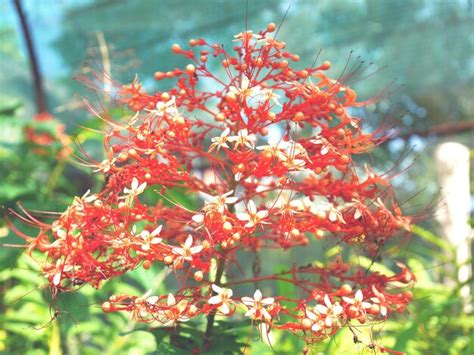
(444, 129)
(41, 106)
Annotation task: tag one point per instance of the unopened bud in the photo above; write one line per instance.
(198, 276)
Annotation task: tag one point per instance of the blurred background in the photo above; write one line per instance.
(420, 52)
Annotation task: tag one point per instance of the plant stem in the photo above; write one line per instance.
(212, 315)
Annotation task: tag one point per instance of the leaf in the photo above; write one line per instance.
(9, 104)
(373, 265)
(431, 238)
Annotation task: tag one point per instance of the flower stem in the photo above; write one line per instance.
(212, 315)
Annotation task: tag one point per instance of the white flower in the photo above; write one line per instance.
(256, 306)
(256, 92)
(334, 214)
(318, 323)
(290, 156)
(176, 312)
(268, 94)
(220, 141)
(253, 217)
(162, 108)
(249, 35)
(135, 189)
(223, 296)
(220, 202)
(328, 313)
(285, 206)
(187, 250)
(245, 90)
(243, 138)
(290, 162)
(150, 239)
(380, 300)
(358, 301)
(105, 165)
(272, 148)
(326, 147)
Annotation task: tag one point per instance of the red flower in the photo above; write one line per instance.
(266, 190)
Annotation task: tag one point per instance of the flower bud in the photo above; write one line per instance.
(176, 48)
(306, 323)
(198, 276)
(227, 226)
(190, 69)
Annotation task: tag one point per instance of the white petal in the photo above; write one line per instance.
(216, 289)
(327, 301)
(250, 313)
(198, 218)
(321, 309)
(224, 308)
(257, 296)
(157, 231)
(177, 251)
(357, 214)
(234, 90)
(142, 187)
(252, 208)
(245, 83)
(215, 299)
(248, 301)
(196, 249)
(378, 293)
(262, 214)
(311, 315)
(337, 309)
(57, 279)
(171, 299)
(266, 314)
(267, 301)
(189, 242)
(359, 296)
(242, 216)
(231, 200)
(134, 185)
(152, 299)
(228, 193)
(348, 300)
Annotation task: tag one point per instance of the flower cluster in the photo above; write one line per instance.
(270, 149)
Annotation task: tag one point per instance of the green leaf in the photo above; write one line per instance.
(431, 238)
